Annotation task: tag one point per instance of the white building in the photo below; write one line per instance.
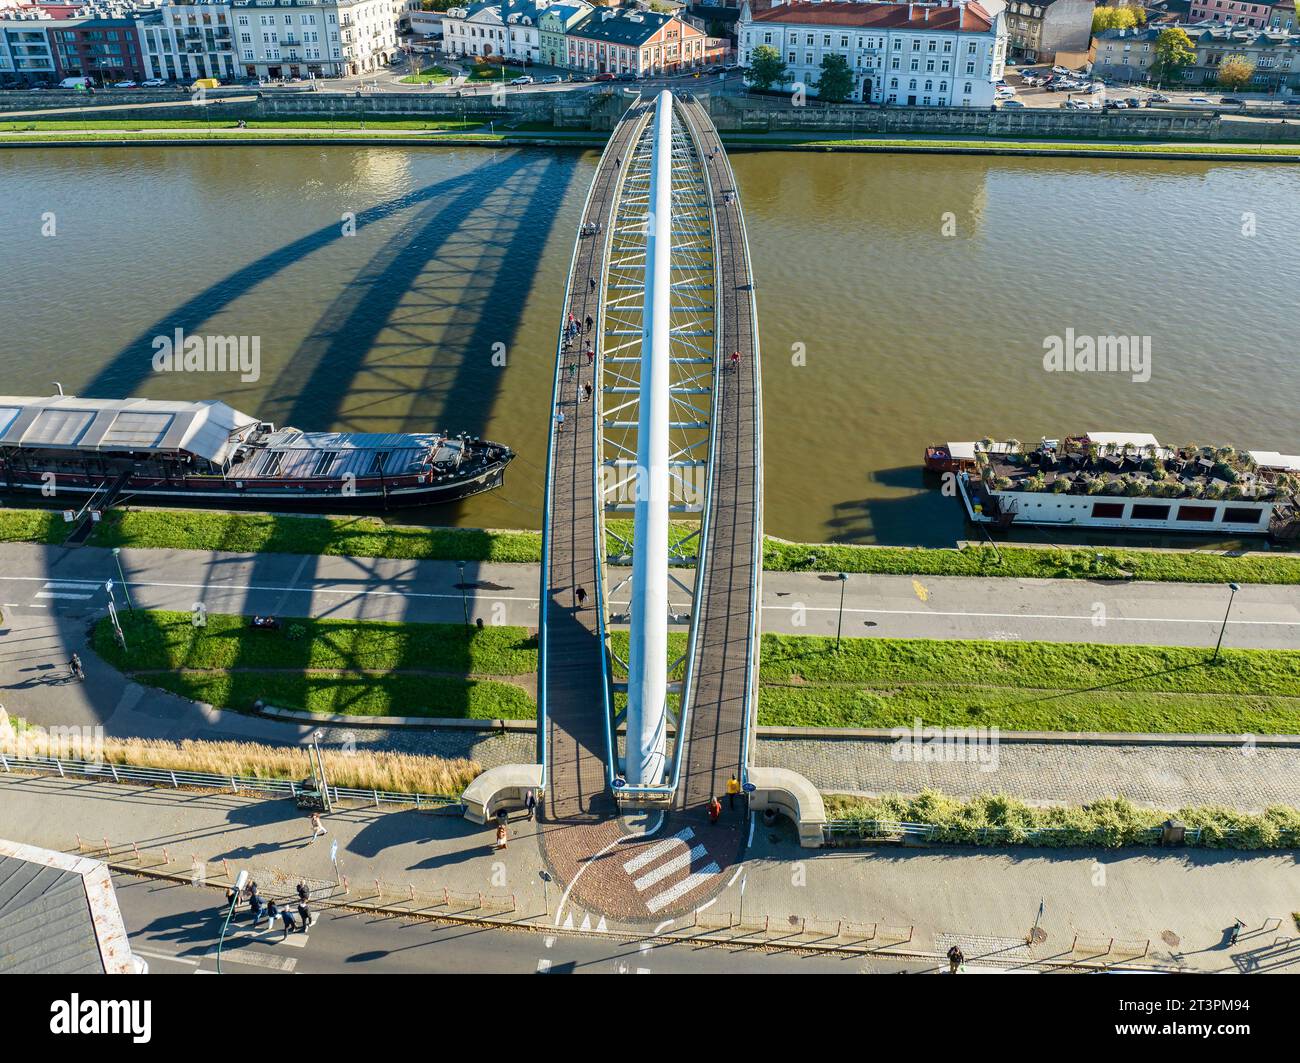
(495, 27)
(183, 41)
(26, 54)
(320, 38)
(948, 54)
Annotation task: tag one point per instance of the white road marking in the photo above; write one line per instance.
(164, 956)
(739, 869)
(543, 966)
(690, 882)
(564, 898)
(665, 869)
(549, 940)
(61, 594)
(655, 851)
(664, 925)
(254, 959)
(1041, 616)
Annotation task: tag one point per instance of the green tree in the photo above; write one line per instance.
(1174, 53)
(659, 7)
(766, 68)
(835, 84)
(1115, 18)
(1236, 71)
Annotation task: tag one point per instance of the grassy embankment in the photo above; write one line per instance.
(1001, 820)
(365, 537)
(435, 75)
(361, 668)
(360, 769)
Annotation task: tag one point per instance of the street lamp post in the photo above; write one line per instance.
(240, 881)
(117, 556)
(1233, 589)
(464, 600)
(839, 628)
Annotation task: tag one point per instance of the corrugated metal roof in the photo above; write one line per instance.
(208, 429)
(45, 921)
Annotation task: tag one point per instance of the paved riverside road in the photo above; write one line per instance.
(42, 580)
(174, 929)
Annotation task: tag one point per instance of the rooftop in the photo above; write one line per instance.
(969, 17)
(620, 27)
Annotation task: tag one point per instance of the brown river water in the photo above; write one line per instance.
(903, 300)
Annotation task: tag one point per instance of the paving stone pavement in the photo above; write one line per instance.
(1159, 776)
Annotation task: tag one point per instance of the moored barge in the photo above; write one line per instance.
(1126, 481)
(164, 452)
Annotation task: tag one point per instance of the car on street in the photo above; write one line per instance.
(1012, 104)
(551, 79)
(125, 85)
(1232, 100)
(152, 83)
(523, 79)
(1135, 101)
(579, 77)
(1199, 100)
(603, 77)
(1157, 97)
(627, 75)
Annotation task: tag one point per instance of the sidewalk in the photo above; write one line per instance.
(1097, 906)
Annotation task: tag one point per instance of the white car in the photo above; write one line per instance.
(522, 80)
(552, 79)
(125, 85)
(153, 83)
(1012, 104)
(1200, 100)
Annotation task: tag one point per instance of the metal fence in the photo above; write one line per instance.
(276, 884)
(797, 930)
(105, 771)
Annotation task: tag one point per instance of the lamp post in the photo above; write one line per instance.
(839, 628)
(117, 556)
(241, 880)
(464, 600)
(1233, 589)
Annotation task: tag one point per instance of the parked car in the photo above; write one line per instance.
(1231, 100)
(607, 76)
(627, 75)
(1013, 104)
(523, 79)
(551, 79)
(152, 83)
(579, 77)
(1135, 101)
(1096, 87)
(1157, 97)
(1199, 100)
(125, 85)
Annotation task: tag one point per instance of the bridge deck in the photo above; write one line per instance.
(576, 787)
(723, 681)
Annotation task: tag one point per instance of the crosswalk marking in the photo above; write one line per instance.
(669, 866)
(255, 959)
(59, 594)
(655, 851)
(690, 882)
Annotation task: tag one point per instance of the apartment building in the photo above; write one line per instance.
(948, 54)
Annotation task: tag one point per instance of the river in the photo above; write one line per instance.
(903, 300)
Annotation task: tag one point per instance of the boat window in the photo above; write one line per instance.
(1199, 513)
(324, 462)
(381, 459)
(273, 462)
(1150, 512)
(1108, 509)
(1242, 515)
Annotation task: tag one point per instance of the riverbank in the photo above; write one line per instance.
(187, 529)
(450, 131)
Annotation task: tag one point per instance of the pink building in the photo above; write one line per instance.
(1237, 12)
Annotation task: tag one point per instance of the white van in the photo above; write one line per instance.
(75, 83)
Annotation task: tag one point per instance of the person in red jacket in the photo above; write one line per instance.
(715, 810)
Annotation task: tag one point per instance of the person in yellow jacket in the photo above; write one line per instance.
(733, 788)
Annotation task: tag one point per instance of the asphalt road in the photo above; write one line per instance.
(174, 928)
(70, 582)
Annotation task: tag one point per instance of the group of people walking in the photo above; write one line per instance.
(273, 912)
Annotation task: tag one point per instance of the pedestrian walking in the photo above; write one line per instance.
(589, 322)
(715, 810)
(587, 391)
(232, 898)
(289, 923)
(304, 913)
(257, 905)
(733, 788)
(559, 421)
(272, 915)
(503, 836)
(317, 830)
(955, 959)
(592, 282)
(590, 352)
(530, 803)
(581, 595)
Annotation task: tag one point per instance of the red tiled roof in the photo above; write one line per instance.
(974, 19)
